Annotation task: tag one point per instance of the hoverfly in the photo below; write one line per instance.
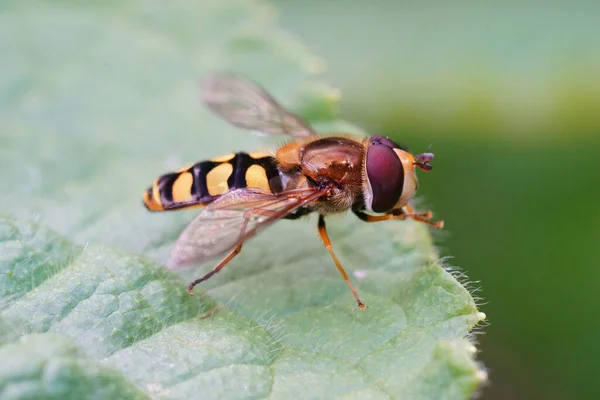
(243, 193)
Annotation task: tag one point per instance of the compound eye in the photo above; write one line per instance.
(375, 140)
(385, 174)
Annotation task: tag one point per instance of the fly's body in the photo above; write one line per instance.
(243, 193)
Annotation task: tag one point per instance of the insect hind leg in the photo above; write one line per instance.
(222, 264)
(215, 270)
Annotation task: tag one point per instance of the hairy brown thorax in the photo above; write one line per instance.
(319, 161)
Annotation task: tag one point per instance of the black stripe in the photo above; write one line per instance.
(241, 162)
(199, 172)
(165, 187)
(273, 175)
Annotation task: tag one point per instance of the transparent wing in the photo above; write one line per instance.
(246, 105)
(232, 219)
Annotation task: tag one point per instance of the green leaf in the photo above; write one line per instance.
(48, 366)
(100, 99)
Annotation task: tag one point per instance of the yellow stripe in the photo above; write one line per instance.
(199, 205)
(216, 179)
(256, 177)
(156, 193)
(224, 158)
(259, 154)
(182, 187)
(150, 203)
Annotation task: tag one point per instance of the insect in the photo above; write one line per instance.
(241, 194)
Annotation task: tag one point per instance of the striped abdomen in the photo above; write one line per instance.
(203, 182)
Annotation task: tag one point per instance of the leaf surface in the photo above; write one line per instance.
(98, 100)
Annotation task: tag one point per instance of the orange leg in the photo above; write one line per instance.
(223, 263)
(423, 217)
(400, 215)
(327, 243)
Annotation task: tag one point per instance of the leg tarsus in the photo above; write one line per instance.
(423, 217)
(425, 220)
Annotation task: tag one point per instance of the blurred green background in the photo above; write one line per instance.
(508, 97)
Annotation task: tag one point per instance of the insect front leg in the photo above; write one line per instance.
(400, 215)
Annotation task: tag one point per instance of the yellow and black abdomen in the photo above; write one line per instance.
(203, 182)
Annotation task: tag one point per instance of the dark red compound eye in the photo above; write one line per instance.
(385, 173)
